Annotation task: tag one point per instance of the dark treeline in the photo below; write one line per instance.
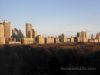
(25, 60)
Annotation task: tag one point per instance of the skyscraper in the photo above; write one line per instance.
(1, 30)
(62, 38)
(78, 34)
(17, 35)
(92, 36)
(98, 36)
(2, 38)
(29, 30)
(84, 36)
(7, 29)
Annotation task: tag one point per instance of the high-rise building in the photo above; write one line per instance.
(17, 35)
(84, 36)
(7, 29)
(78, 37)
(29, 30)
(92, 36)
(62, 38)
(2, 38)
(30, 33)
(56, 40)
(1, 29)
(78, 34)
(98, 37)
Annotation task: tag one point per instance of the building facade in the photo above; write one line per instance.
(62, 38)
(1, 30)
(98, 37)
(28, 30)
(27, 41)
(7, 29)
(2, 38)
(40, 39)
(49, 40)
(56, 40)
(82, 36)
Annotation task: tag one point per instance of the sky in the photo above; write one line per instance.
(53, 17)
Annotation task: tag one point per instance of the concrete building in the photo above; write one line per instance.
(27, 41)
(34, 33)
(7, 29)
(78, 38)
(12, 41)
(30, 33)
(40, 39)
(17, 35)
(49, 40)
(70, 39)
(28, 30)
(56, 40)
(82, 36)
(1, 29)
(2, 40)
(98, 37)
(93, 40)
(62, 38)
(92, 36)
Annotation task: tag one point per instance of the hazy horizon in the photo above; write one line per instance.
(53, 17)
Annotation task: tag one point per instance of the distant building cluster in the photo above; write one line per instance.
(15, 36)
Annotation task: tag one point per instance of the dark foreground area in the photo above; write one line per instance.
(25, 60)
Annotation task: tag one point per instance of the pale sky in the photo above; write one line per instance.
(53, 17)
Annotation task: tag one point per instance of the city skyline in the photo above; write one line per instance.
(33, 28)
(53, 16)
(15, 36)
